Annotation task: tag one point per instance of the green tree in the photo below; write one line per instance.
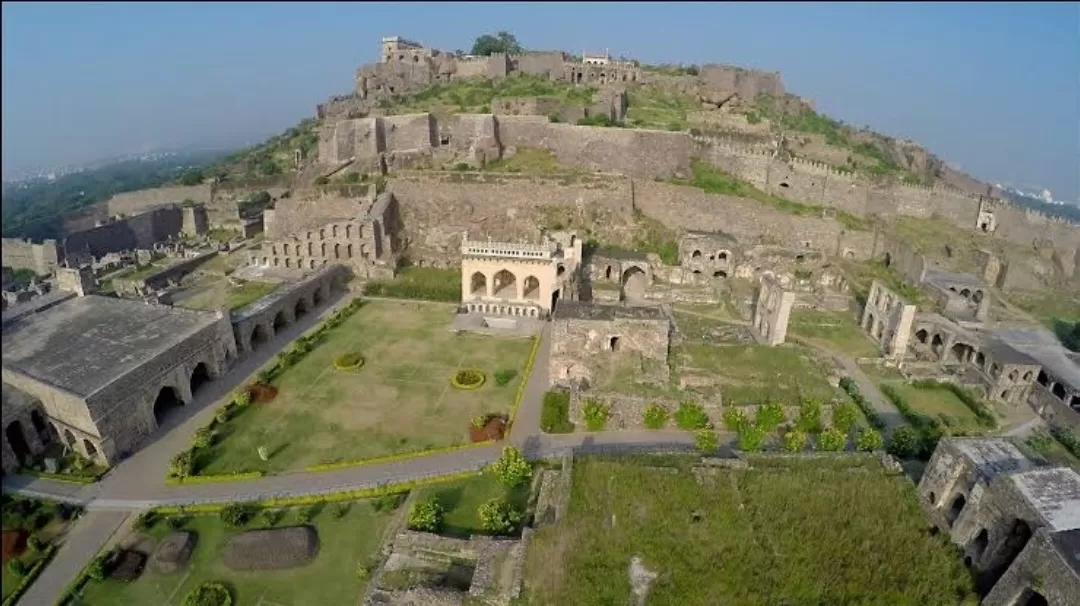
(17, 567)
(235, 515)
(844, 416)
(501, 42)
(795, 441)
(832, 440)
(426, 515)
(499, 517)
(512, 469)
(869, 440)
(192, 176)
(905, 443)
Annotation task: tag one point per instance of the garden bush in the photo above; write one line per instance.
(869, 440)
(1067, 438)
(468, 379)
(36, 543)
(596, 414)
(348, 361)
(272, 516)
(426, 515)
(242, 397)
(656, 416)
(16, 567)
(795, 441)
(809, 419)
(209, 594)
(872, 416)
(182, 465)
(705, 441)
(734, 418)
(99, 567)
(691, 415)
(832, 440)
(146, 521)
(927, 430)
(844, 416)
(176, 522)
(235, 515)
(388, 503)
(499, 517)
(512, 470)
(504, 376)
(770, 415)
(751, 438)
(905, 443)
(555, 416)
(204, 437)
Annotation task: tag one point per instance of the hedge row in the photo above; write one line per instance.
(30, 576)
(239, 476)
(61, 477)
(929, 429)
(395, 457)
(872, 416)
(977, 406)
(1067, 438)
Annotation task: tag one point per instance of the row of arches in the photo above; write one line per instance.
(324, 249)
(261, 333)
(504, 285)
(723, 256)
(45, 433)
(973, 295)
(505, 310)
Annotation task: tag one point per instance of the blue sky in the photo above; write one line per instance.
(991, 87)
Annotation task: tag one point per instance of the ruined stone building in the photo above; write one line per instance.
(1017, 524)
(519, 279)
(361, 234)
(772, 311)
(103, 372)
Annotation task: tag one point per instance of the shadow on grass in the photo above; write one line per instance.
(1068, 334)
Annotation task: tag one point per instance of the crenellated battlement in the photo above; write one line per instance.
(915, 187)
(823, 168)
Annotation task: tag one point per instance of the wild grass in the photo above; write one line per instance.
(837, 330)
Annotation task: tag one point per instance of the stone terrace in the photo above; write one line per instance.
(602, 312)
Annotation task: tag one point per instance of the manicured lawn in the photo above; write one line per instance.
(751, 374)
(836, 330)
(800, 532)
(331, 578)
(937, 401)
(460, 501)
(399, 401)
(34, 517)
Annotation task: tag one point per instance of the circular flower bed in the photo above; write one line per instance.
(348, 361)
(209, 594)
(468, 379)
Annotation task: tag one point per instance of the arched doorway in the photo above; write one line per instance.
(301, 307)
(956, 508)
(613, 344)
(978, 546)
(199, 377)
(634, 282)
(280, 321)
(888, 259)
(166, 403)
(258, 336)
(1018, 537)
(91, 450)
(505, 286)
(532, 289)
(317, 296)
(69, 438)
(937, 345)
(607, 273)
(478, 285)
(554, 300)
(40, 426)
(17, 441)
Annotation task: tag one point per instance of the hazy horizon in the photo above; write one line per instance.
(994, 89)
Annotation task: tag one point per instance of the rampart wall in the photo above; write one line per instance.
(138, 231)
(41, 257)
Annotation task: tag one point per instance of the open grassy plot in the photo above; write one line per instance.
(344, 544)
(836, 330)
(939, 403)
(475, 95)
(785, 532)
(654, 107)
(752, 374)
(218, 293)
(460, 501)
(399, 401)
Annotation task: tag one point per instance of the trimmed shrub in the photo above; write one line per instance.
(242, 397)
(927, 430)
(16, 567)
(499, 517)
(809, 419)
(872, 416)
(99, 567)
(905, 443)
(770, 416)
(691, 415)
(555, 416)
(204, 437)
(512, 469)
(146, 521)
(734, 418)
(36, 543)
(1067, 438)
(176, 522)
(596, 414)
(209, 594)
(348, 361)
(705, 441)
(468, 378)
(751, 438)
(844, 416)
(656, 416)
(795, 441)
(235, 515)
(426, 515)
(832, 440)
(504, 376)
(272, 516)
(182, 465)
(869, 440)
(388, 503)
(308, 513)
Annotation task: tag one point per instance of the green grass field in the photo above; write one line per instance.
(937, 401)
(461, 499)
(331, 578)
(219, 293)
(752, 374)
(399, 401)
(786, 532)
(836, 330)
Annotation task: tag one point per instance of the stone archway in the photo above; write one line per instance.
(505, 285)
(634, 281)
(301, 307)
(40, 426)
(90, 449)
(16, 440)
(478, 284)
(69, 438)
(531, 289)
(955, 509)
(258, 336)
(961, 352)
(280, 321)
(937, 345)
(979, 545)
(167, 402)
(200, 376)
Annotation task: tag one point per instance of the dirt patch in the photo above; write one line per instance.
(272, 549)
(494, 429)
(14, 544)
(262, 393)
(129, 565)
(173, 552)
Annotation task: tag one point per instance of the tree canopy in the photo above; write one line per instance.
(501, 42)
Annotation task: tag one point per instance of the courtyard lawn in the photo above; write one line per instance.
(752, 374)
(218, 293)
(939, 403)
(836, 330)
(461, 499)
(794, 531)
(399, 401)
(331, 578)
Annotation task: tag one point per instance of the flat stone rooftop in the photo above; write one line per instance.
(579, 310)
(1068, 545)
(936, 275)
(1042, 346)
(43, 302)
(1054, 493)
(85, 343)
(991, 457)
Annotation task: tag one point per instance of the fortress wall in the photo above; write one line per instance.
(471, 68)
(842, 192)
(133, 202)
(958, 208)
(914, 201)
(544, 63)
(880, 201)
(408, 132)
(437, 207)
(42, 258)
(307, 210)
(138, 231)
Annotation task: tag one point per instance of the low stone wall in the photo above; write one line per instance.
(163, 278)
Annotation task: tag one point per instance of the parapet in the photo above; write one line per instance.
(520, 250)
(822, 168)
